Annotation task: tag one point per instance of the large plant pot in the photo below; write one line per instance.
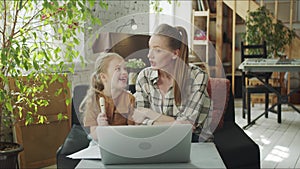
(9, 155)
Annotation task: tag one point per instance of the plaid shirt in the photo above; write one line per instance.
(195, 109)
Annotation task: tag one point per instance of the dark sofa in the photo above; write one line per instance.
(236, 149)
(77, 138)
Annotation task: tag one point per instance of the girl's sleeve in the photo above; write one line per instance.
(90, 115)
(131, 109)
(90, 119)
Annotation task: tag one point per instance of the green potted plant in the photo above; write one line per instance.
(37, 39)
(134, 66)
(261, 26)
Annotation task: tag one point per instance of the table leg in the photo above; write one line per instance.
(248, 108)
(279, 113)
(266, 104)
(294, 107)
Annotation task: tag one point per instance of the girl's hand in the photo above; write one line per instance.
(102, 119)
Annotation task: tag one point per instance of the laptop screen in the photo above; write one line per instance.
(144, 144)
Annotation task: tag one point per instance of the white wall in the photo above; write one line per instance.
(121, 11)
(117, 14)
(165, 16)
(175, 14)
(183, 14)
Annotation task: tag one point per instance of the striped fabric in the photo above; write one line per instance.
(195, 109)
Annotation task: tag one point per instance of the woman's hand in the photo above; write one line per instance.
(182, 122)
(185, 122)
(139, 115)
(102, 119)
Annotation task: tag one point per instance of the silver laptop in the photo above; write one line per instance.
(145, 144)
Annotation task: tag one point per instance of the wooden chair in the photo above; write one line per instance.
(257, 51)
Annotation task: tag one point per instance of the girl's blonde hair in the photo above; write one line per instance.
(177, 39)
(89, 103)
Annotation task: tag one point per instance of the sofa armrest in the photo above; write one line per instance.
(229, 114)
(236, 148)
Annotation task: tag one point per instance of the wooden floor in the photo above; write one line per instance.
(279, 143)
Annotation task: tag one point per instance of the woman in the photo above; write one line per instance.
(171, 90)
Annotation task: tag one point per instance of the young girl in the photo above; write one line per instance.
(107, 89)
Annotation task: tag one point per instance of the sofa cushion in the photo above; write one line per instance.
(79, 93)
(218, 90)
(75, 141)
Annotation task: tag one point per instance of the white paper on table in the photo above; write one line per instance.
(91, 152)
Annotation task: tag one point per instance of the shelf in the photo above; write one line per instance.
(205, 13)
(201, 13)
(203, 42)
(193, 59)
(200, 42)
(226, 64)
(213, 15)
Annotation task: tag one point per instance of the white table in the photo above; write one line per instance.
(203, 155)
(272, 65)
